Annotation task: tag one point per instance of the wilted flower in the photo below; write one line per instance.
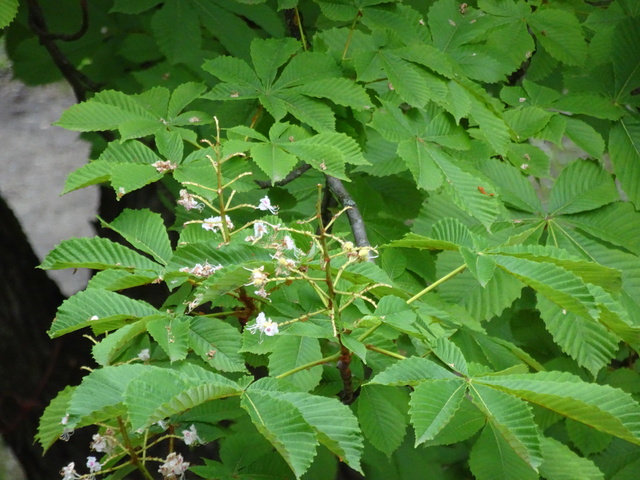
(66, 432)
(190, 436)
(258, 277)
(93, 465)
(265, 204)
(144, 355)
(189, 202)
(264, 325)
(69, 472)
(201, 270)
(163, 166)
(173, 466)
(215, 223)
(259, 229)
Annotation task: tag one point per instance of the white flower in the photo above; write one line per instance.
(215, 223)
(258, 277)
(93, 465)
(173, 465)
(189, 202)
(144, 355)
(202, 270)
(64, 420)
(288, 242)
(259, 229)
(69, 472)
(264, 325)
(163, 166)
(102, 444)
(191, 436)
(162, 424)
(265, 204)
(66, 431)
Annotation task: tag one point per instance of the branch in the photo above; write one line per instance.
(289, 178)
(355, 218)
(79, 82)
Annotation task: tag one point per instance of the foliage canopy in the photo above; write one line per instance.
(498, 314)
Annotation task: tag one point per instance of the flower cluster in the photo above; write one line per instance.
(215, 223)
(163, 166)
(173, 466)
(93, 465)
(189, 202)
(258, 279)
(201, 270)
(69, 472)
(358, 254)
(264, 325)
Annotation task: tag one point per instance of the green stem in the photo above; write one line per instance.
(368, 332)
(322, 361)
(131, 451)
(303, 39)
(348, 42)
(386, 352)
(436, 283)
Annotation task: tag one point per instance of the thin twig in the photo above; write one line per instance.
(289, 178)
(353, 214)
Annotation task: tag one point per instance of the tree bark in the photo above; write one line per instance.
(33, 368)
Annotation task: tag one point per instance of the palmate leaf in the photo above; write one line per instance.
(604, 408)
(581, 186)
(433, 404)
(624, 148)
(511, 420)
(294, 351)
(273, 160)
(111, 309)
(159, 393)
(586, 341)
(97, 253)
(144, 230)
(466, 422)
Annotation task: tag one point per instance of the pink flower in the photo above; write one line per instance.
(264, 325)
(265, 204)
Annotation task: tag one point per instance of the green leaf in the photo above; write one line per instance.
(94, 172)
(268, 55)
(111, 309)
(99, 397)
(334, 424)
(114, 280)
(291, 352)
(159, 393)
(492, 458)
(513, 187)
(116, 342)
(558, 285)
(144, 230)
(450, 354)
(382, 413)
(171, 333)
(341, 91)
(586, 341)
(465, 423)
(176, 44)
(562, 463)
(625, 55)
(624, 148)
(126, 177)
(412, 371)
(404, 78)
(97, 253)
(511, 420)
(50, 427)
(560, 33)
(586, 439)
(433, 404)
(284, 426)
(604, 408)
(588, 104)
(183, 95)
(581, 186)
(585, 136)
(8, 11)
(526, 121)
(218, 343)
(273, 160)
